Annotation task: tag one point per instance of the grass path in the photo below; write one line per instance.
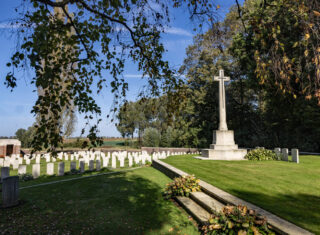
(289, 190)
(123, 203)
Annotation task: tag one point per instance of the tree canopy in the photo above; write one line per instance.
(260, 112)
(265, 45)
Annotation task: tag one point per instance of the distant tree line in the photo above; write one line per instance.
(263, 108)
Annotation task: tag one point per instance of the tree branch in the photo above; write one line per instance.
(56, 4)
(136, 44)
(240, 16)
(62, 5)
(77, 31)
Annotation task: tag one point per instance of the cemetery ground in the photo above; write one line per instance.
(289, 190)
(128, 202)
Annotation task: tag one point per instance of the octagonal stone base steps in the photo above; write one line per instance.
(201, 204)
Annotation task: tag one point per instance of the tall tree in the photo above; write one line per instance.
(101, 28)
(283, 43)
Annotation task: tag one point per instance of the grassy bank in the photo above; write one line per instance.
(123, 203)
(289, 190)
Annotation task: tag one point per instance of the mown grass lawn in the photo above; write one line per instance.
(122, 203)
(289, 190)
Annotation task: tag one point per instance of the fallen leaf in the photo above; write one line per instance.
(316, 13)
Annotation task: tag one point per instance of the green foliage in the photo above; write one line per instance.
(237, 220)
(70, 53)
(151, 137)
(260, 154)
(182, 186)
(168, 137)
(26, 177)
(25, 136)
(137, 116)
(79, 143)
(282, 31)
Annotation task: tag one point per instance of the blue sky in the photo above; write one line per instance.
(15, 106)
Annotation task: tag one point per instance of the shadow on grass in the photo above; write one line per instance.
(300, 209)
(118, 204)
(68, 175)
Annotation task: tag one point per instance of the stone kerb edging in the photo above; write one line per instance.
(280, 225)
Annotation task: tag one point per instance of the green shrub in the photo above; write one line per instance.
(26, 177)
(167, 137)
(151, 137)
(78, 143)
(261, 154)
(182, 186)
(237, 220)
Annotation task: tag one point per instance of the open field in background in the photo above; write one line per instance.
(108, 143)
(289, 190)
(122, 203)
(115, 143)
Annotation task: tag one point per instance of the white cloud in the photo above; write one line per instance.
(177, 31)
(133, 75)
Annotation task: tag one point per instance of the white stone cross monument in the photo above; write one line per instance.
(223, 146)
(222, 100)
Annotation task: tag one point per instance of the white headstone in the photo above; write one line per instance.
(36, 170)
(285, 153)
(98, 165)
(22, 169)
(122, 161)
(278, 153)
(60, 168)
(114, 162)
(130, 161)
(6, 163)
(15, 164)
(295, 155)
(105, 161)
(50, 168)
(81, 166)
(91, 165)
(73, 165)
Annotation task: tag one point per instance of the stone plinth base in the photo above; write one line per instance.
(223, 147)
(232, 154)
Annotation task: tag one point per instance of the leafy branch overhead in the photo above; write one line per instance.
(282, 43)
(70, 51)
(72, 44)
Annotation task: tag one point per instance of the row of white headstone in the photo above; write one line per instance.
(16, 160)
(283, 154)
(83, 157)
